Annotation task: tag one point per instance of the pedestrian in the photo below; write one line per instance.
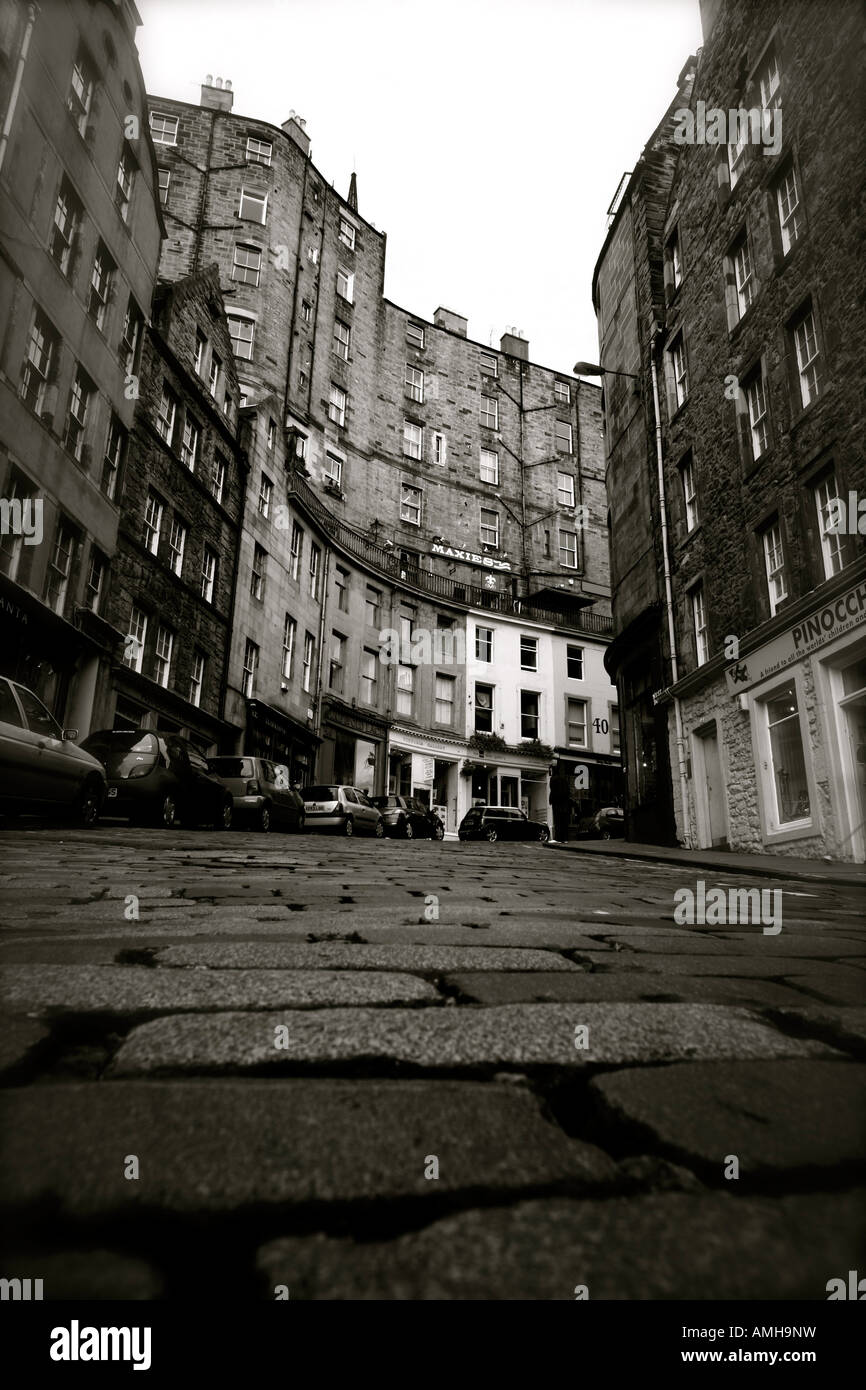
(560, 800)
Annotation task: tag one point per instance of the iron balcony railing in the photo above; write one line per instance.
(388, 563)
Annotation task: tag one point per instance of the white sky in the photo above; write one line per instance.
(488, 135)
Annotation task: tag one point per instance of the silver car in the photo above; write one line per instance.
(41, 768)
(343, 809)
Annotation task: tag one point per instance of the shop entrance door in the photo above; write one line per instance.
(712, 813)
(852, 704)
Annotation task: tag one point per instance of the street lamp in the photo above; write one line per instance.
(593, 369)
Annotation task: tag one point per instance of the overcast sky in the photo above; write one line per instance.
(488, 136)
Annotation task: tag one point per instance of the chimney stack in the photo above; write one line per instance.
(455, 323)
(215, 95)
(513, 344)
(295, 128)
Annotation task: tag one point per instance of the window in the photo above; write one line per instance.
(163, 128)
(790, 212)
(165, 416)
(483, 708)
(565, 489)
(768, 80)
(369, 676)
(200, 349)
(562, 392)
(528, 714)
(189, 443)
(410, 504)
(80, 94)
(774, 560)
(247, 264)
(133, 654)
(335, 664)
(342, 339)
(806, 346)
(123, 186)
(60, 567)
(95, 579)
(490, 467)
(333, 470)
(574, 663)
(371, 609)
(176, 545)
(296, 548)
(690, 496)
(241, 332)
(568, 549)
(216, 366)
(413, 440)
(42, 350)
(408, 619)
(162, 655)
(253, 207)
(218, 477)
(341, 584)
(443, 712)
(674, 260)
(259, 151)
(415, 335)
(826, 492)
(115, 446)
(208, 574)
(345, 284)
(529, 653)
(266, 491)
(163, 179)
(196, 678)
(306, 311)
(562, 436)
(744, 279)
(67, 220)
(257, 576)
(440, 448)
(576, 720)
(699, 621)
(76, 415)
(614, 729)
(347, 233)
(152, 521)
(756, 402)
(315, 566)
(405, 689)
(677, 358)
(130, 338)
(414, 383)
(490, 412)
(271, 436)
(790, 785)
(309, 653)
(488, 364)
(484, 644)
(489, 527)
(100, 285)
(289, 629)
(737, 150)
(251, 666)
(337, 405)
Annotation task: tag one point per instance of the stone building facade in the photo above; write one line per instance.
(762, 387)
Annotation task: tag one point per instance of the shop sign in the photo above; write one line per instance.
(469, 557)
(423, 769)
(812, 632)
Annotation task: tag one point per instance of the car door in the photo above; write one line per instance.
(19, 753)
(56, 774)
(367, 814)
(280, 792)
(419, 817)
(208, 793)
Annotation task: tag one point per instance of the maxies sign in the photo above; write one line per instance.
(841, 615)
(470, 558)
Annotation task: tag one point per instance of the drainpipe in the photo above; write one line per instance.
(669, 606)
(32, 12)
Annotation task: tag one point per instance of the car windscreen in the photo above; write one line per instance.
(321, 793)
(384, 803)
(119, 753)
(232, 767)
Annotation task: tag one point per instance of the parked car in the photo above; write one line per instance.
(408, 817)
(343, 809)
(261, 792)
(501, 823)
(159, 778)
(42, 768)
(606, 823)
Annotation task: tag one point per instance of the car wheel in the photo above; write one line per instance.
(88, 805)
(264, 819)
(439, 832)
(408, 830)
(349, 827)
(544, 835)
(605, 834)
(302, 823)
(380, 830)
(491, 835)
(224, 819)
(168, 814)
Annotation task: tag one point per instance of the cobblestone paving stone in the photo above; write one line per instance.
(153, 1034)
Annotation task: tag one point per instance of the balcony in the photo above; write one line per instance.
(389, 565)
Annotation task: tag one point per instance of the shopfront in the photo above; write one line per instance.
(508, 784)
(427, 768)
(274, 735)
(353, 748)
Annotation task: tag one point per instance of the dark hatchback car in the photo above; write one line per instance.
(501, 823)
(160, 779)
(263, 797)
(42, 769)
(409, 818)
(607, 823)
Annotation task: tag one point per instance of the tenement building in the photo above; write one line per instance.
(408, 489)
(741, 304)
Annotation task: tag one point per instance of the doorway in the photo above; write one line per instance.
(710, 808)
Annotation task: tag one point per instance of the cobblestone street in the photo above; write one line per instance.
(296, 1066)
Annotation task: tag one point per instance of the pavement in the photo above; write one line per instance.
(300, 1067)
(784, 866)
